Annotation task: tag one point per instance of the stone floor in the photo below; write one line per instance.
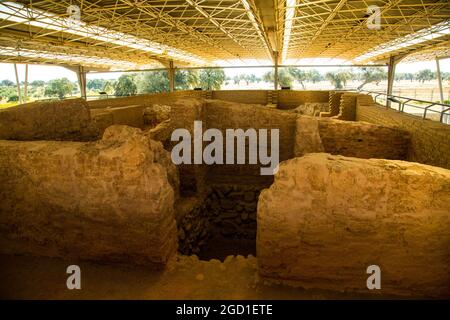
(23, 277)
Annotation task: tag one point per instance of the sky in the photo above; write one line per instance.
(46, 72)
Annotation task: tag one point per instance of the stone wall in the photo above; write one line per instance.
(289, 99)
(226, 115)
(347, 106)
(311, 109)
(349, 138)
(49, 120)
(241, 96)
(286, 99)
(110, 200)
(130, 115)
(193, 223)
(334, 104)
(144, 99)
(430, 140)
(225, 213)
(327, 218)
(363, 140)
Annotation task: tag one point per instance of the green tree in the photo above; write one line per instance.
(285, 79)
(369, 75)
(299, 75)
(338, 79)
(108, 87)
(7, 92)
(314, 76)
(7, 83)
(95, 84)
(186, 79)
(125, 85)
(425, 75)
(211, 79)
(154, 81)
(59, 87)
(37, 83)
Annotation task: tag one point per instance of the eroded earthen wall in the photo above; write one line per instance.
(430, 140)
(110, 200)
(327, 218)
(363, 140)
(224, 115)
(49, 120)
(289, 99)
(144, 99)
(349, 138)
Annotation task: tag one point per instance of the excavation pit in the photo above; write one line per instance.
(223, 221)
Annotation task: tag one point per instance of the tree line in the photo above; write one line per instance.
(206, 79)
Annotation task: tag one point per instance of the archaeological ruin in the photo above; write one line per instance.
(94, 182)
(224, 150)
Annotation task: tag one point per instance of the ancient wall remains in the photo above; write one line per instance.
(221, 222)
(144, 99)
(327, 218)
(226, 115)
(363, 140)
(110, 200)
(430, 140)
(241, 96)
(349, 138)
(289, 99)
(50, 120)
(130, 115)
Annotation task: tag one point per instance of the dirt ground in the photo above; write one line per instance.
(25, 277)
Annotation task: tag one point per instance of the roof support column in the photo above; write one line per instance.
(391, 74)
(25, 90)
(439, 77)
(18, 84)
(171, 74)
(275, 72)
(445, 119)
(81, 75)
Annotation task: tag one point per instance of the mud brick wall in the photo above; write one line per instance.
(145, 99)
(430, 140)
(327, 218)
(347, 107)
(289, 99)
(363, 140)
(225, 115)
(110, 200)
(48, 120)
(350, 138)
(241, 96)
(334, 102)
(183, 113)
(129, 115)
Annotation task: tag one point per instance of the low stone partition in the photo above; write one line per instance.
(349, 138)
(228, 115)
(110, 200)
(129, 115)
(326, 219)
(430, 140)
(48, 120)
(144, 99)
